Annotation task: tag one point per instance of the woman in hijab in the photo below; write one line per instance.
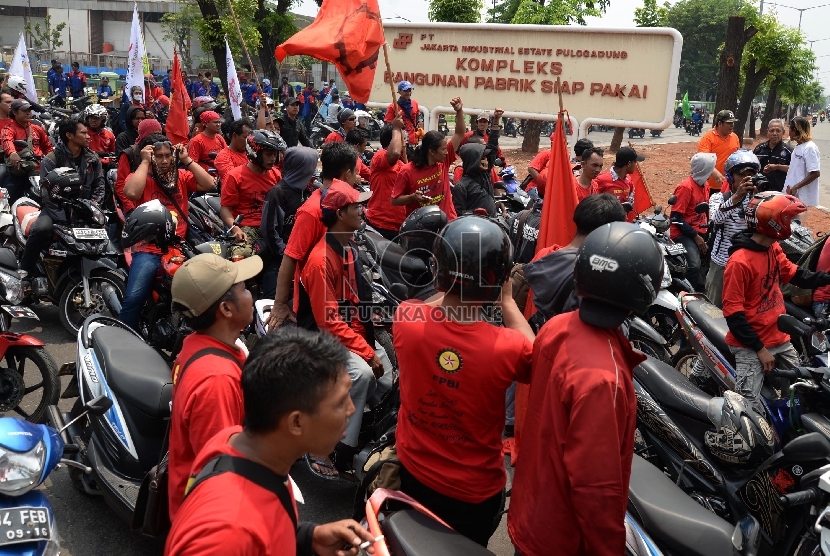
(128, 137)
(475, 188)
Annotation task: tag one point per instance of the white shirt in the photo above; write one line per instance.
(334, 110)
(805, 159)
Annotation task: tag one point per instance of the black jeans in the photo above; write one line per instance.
(38, 239)
(477, 522)
(17, 186)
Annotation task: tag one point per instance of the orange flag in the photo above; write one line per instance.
(557, 228)
(347, 33)
(642, 196)
(177, 128)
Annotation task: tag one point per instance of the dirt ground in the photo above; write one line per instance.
(666, 166)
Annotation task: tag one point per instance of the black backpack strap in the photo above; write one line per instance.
(178, 370)
(252, 471)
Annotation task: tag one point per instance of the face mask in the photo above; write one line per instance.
(138, 97)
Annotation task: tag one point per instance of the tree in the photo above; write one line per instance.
(651, 15)
(275, 25)
(503, 12)
(178, 27)
(456, 11)
(46, 38)
(737, 35)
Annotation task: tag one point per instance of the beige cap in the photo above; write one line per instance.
(203, 280)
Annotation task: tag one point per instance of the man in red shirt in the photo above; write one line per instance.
(358, 140)
(480, 131)
(339, 162)
(386, 163)
(204, 147)
(5, 108)
(287, 414)
(101, 139)
(455, 370)
(591, 167)
(617, 181)
(234, 155)
(20, 128)
(333, 293)
(407, 108)
(348, 121)
(246, 186)
(157, 177)
(571, 481)
(752, 299)
(688, 226)
(210, 292)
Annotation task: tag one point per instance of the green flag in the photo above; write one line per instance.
(687, 109)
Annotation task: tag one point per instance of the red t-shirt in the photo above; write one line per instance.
(410, 123)
(689, 194)
(187, 185)
(229, 515)
(621, 188)
(201, 146)
(334, 137)
(227, 160)
(582, 192)
(13, 131)
(363, 171)
(380, 211)
(123, 173)
(458, 173)
(207, 399)
(102, 141)
(823, 293)
(571, 481)
(307, 231)
(750, 285)
(433, 181)
(244, 192)
(453, 380)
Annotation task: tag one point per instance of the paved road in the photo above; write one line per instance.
(821, 136)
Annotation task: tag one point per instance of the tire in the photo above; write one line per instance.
(664, 322)
(73, 315)
(650, 348)
(384, 338)
(37, 384)
(684, 359)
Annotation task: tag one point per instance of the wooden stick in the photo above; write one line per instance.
(268, 119)
(389, 72)
(559, 90)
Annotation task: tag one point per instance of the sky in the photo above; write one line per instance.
(815, 22)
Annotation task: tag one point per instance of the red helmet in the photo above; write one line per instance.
(770, 213)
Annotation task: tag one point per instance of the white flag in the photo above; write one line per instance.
(135, 56)
(21, 66)
(234, 91)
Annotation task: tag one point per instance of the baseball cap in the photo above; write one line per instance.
(484, 115)
(293, 100)
(203, 280)
(341, 194)
(405, 86)
(725, 116)
(20, 104)
(626, 155)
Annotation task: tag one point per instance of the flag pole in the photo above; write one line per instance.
(561, 105)
(268, 118)
(389, 70)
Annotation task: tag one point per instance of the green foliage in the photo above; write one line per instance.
(177, 28)
(651, 15)
(503, 12)
(456, 11)
(47, 37)
(212, 36)
(773, 46)
(796, 84)
(563, 12)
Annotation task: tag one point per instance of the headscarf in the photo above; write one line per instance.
(298, 167)
(703, 164)
(208, 116)
(147, 128)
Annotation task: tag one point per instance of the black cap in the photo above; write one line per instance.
(54, 62)
(20, 104)
(293, 100)
(626, 155)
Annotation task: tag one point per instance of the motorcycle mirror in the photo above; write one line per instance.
(499, 162)
(658, 209)
(702, 208)
(99, 405)
(746, 535)
(628, 207)
(399, 291)
(672, 200)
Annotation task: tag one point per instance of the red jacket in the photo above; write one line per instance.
(571, 483)
(689, 194)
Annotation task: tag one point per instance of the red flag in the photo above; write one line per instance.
(177, 128)
(347, 33)
(557, 228)
(642, 196)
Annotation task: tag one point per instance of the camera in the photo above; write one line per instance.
(761, 182)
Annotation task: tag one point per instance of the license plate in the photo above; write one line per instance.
(89, 233)
(24, 524)
(20, 312)
(676, 249)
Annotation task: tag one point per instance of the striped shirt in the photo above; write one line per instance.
(732, 218)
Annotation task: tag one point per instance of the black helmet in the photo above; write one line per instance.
(150, 222)
(263, 140)
(63, 182)
(420, 228)
(618, 269)
(473, 256)
(741, 435)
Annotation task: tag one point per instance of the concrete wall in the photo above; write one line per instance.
(77, 24)
(118, 34)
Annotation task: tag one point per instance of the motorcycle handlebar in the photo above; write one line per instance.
(819, 323)
(791, 374)
(799, 498)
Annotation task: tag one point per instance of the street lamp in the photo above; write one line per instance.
(800, 10)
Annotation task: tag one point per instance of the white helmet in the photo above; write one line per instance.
(269, 102)
(95, 110)
(17, 83)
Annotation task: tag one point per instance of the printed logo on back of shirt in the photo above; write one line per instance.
(450, 360)
(600, 263)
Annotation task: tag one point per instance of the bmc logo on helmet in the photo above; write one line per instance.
(600, 263)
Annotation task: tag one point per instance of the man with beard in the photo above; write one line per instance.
(158, 178)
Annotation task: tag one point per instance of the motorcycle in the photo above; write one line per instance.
(29, 454)
(319, 131)
(78, 272)
(636, 132)
(443, 127)
(656, 132)
(694, 127)
(674, 417)
(510, 129)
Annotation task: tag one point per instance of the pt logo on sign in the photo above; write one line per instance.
(403, 40)
(600, 263)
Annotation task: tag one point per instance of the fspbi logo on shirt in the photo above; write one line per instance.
(450, 360)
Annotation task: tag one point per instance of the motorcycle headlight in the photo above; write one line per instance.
(99, 216)
(666, 282)
(20, 472)
(14, 288)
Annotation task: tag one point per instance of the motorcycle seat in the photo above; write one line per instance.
(816, 422)
(393, 257)
(672, 517)
(412, 533)
(208, 203)
(134, 370)
(672, 390)
(712, 323)
(26, 215)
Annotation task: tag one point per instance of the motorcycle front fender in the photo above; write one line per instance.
(668, 300)
(641, 327)
(10, 339)
(89, 265)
